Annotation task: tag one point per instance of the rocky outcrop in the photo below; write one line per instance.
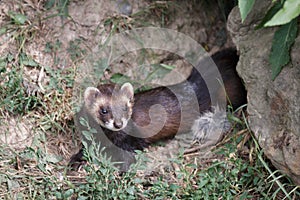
(273, 106)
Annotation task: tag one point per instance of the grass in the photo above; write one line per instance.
(239, 170)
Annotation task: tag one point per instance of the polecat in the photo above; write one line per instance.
(125, 121)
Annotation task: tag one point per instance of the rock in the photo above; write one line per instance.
(273, 106)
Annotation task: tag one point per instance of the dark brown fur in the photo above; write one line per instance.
(180, 119)
(177, 111)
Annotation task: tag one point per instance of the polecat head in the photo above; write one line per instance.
(110, 106)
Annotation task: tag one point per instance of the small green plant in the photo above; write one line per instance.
(30, 173)
(75, 51)
(53, 48)
(103, 180)
(283, 13)
(235, 177)
(14, 96)
(60, 79)
(21, 29)
(60, 5)
(241, 172)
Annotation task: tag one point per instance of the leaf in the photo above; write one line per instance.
(202, 183)
(10, 57)
(87, 135)
(283, 39)
(41, 167)
(271, 12)
(3, 64)
(68, 193)
(17, 17)
(83, 122)
(12, 184)
(53, 158)
(27, 61)
(119, 78)
(49, 4)
(2, 30)
(85, 145)
(245, 7)
(131, 190)
(58, 195)
(82, 198)
(290, 10)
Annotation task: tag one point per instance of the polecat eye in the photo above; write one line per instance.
(103, 111)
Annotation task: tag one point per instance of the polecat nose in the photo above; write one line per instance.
(118, 124)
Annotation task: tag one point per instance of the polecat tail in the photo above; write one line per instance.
(210, 127)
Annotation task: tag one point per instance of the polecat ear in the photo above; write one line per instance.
(90, 95)
(127, 90)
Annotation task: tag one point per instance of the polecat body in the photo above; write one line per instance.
(184, 102)
(131, 122)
